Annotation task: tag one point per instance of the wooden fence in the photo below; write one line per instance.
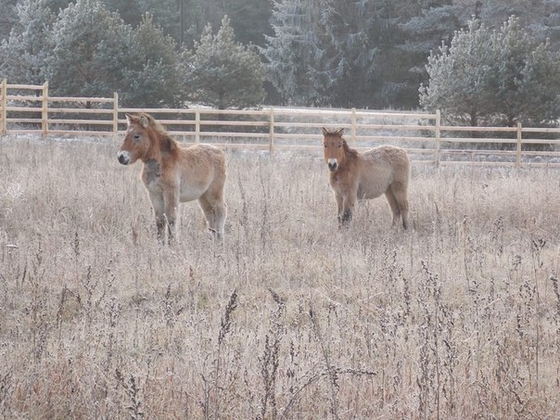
(28, 109)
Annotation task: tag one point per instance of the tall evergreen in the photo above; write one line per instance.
(150, 75)
(524, 78)
(222, 72)
(24, 52)
(343, 53)
(8, 17)
(299, 57)
(495, 76)
(367, 53)
(250, 20)
(90, 44)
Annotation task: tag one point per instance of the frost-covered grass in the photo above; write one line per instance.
(289, 317)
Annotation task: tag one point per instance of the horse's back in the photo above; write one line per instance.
(386, 154)
(388, 159)
(203, 157)
(205, 151)
(380, 168)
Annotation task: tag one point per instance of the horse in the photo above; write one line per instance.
(354, 175)
(173, 173)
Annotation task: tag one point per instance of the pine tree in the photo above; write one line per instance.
(458, 83)
(8, 17)
(250, 20)
(90, 44)
(494, 77)
(342, 53)
(23, 54)
(524, 78)
(298, 56)
(223, 73)
(150, 76)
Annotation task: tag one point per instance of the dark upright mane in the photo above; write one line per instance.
(351, 154)
(158, 133)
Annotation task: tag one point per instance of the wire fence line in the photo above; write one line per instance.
(29, 109)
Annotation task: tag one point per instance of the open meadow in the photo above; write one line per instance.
(289, 317)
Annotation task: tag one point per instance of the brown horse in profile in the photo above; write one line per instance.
(353, 176)
(173, 173)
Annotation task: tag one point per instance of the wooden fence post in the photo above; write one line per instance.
(353, 129)
(45, 110)
(115, 115)
(3, 105)
(271, 131)
(519, 143)
(197, 125)
(437, 137)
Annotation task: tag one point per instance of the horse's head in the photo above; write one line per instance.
(333, 149)
(137, 141)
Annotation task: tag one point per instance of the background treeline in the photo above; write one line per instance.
(236, 53)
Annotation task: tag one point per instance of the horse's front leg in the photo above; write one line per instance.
(171, 200)
(339, 201)
(159, 213)
(345, 215)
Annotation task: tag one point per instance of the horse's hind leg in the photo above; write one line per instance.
(220, 214)
(215, 213)
(219, 211)
(400, 195)
(404, 210)
(395, 209)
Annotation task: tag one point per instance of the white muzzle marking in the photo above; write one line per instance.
(124, 157)
(332, 164)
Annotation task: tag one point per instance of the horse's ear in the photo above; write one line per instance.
(129, 118)
(339, 132)
(325, 131)
(144, 121)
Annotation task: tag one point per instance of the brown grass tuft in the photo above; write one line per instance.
(455, 318)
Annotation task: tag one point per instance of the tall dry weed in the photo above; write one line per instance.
(455, 318)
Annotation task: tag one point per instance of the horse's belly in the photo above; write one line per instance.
(367, 192)
(191, 192)
(374, 182)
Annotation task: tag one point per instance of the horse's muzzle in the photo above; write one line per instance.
(332, 165)
(123, 157)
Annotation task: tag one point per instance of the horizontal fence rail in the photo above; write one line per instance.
(28, 109)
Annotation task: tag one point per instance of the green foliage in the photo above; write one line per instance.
(250, 19)
(8, 17)
(367, 53)
(343, 53)
(458, 75)
(23, 54)
(494, 76)
(165, 14)
(524, 77)
(223, 73)
(298, 61)
(89, 50)
(129, 10)
(150, 75)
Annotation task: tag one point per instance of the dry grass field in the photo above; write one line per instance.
(288, 318)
